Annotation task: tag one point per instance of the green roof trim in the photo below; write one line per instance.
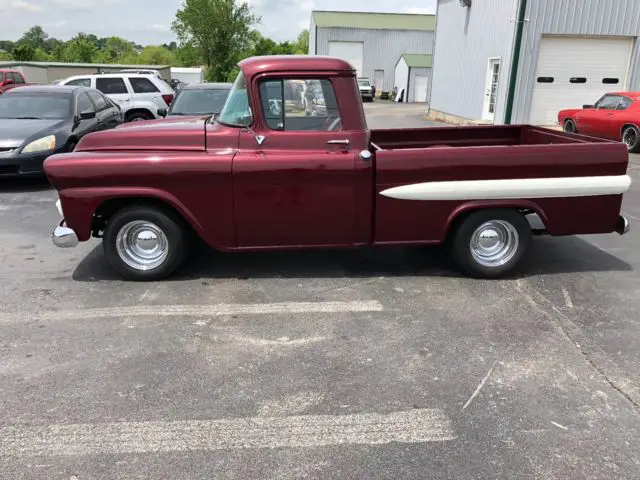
(417, 60)
(375, 21)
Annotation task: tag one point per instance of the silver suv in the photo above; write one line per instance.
(140, 96)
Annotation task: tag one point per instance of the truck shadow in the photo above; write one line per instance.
(548, 256)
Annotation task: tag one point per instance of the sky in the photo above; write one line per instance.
(148, 22)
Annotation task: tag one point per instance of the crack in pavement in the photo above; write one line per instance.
(594, 355)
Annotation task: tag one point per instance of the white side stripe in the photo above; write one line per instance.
(203, 310)
(414, 426)
(512, 188)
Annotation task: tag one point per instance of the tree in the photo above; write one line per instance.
(188, 55)
(80, 49)
(156, 56)
(35, 37)
(23, 53)
(302, 42)
(115, 49)
(219, 29)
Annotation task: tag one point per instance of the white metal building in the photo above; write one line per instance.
(371, 42)
(411, 79)
(189, 75)
(521, 61)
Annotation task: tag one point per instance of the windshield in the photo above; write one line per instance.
(199, 102)
(364, 83)
(33, 106)
(236, 111)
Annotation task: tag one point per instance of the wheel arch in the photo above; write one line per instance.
(139, 109)
(628, 124)
(459, 214)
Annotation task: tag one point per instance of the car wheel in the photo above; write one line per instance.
(490, 243)
(144, 243)
(631, 138)
(570, 126)
(138, 117)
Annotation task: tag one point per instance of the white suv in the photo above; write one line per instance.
(140, 96)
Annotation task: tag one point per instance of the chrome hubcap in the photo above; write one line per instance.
(630, 137)
(494, 243)
(142, 245)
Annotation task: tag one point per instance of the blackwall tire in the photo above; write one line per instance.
(491, 243)
(145, 243)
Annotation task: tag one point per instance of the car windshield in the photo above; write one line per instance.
(199, 101)
(236, 111)
(35, 106)
(364, 83)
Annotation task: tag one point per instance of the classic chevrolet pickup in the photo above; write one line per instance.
(269, 174)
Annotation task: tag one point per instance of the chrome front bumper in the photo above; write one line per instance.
(623, 225)
(64, 237)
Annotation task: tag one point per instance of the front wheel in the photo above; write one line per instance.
(491, 243)
(631, 138)
(570, 127)
(144, 243)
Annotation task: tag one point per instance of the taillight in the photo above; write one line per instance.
(168, 98)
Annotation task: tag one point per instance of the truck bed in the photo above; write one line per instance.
(474, 136)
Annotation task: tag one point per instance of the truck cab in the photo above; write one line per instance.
(269, 174)
(10, 79)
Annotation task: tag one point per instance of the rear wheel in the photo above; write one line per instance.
(144, 243)
(138, 117)
(631, 138)
(570, 126)
(491, 243)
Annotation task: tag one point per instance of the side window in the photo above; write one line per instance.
(18, 78)
(609, 103)
(142, 85)
(98, 100)
(299, 105)
(80, 82)
(624, 103)
(111, 86)
(84, 104)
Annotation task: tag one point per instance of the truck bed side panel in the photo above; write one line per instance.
(422, 221)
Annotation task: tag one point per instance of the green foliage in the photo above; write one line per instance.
(81, 49)
(23, 53)
(219, 29)
(188, 55)
(40, 55)
(302, 42)
(35, 37)
(5, 56)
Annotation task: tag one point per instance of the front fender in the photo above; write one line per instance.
(80, 204)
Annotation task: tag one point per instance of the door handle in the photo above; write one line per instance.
(338, 142)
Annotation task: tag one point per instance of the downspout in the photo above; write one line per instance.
(515, 62)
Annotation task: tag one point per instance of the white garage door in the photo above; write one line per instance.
(352, 52)
(574, 71)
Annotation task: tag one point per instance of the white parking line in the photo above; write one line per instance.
(414, 426)
(202, 310)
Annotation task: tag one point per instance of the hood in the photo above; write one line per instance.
(186, 134)
(14, 132)
(170, 118)
(364, 87)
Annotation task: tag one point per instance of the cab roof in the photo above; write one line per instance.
(269, 63)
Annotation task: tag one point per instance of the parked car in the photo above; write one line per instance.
(615, 116)
(366, 89)
(144, 71)
(139, 95)
(10, 79)
(256, 180)
(38, 121)
(201, 99)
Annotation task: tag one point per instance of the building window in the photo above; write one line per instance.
(611, 81)
(545, 79)
(577, 80)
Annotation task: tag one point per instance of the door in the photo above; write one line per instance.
(574, 71)
(596, 121)
(296, 188)
(491, 90)
(106, 114)
(144, 89)
(352, 52)
(378, 79)
(114, 88)
(420, 85)
(85, 105)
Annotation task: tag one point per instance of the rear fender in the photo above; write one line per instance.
(80, 204)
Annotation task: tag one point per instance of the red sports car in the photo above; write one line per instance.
(615, 116)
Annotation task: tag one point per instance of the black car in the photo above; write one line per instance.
(38, 121)
(200, 99)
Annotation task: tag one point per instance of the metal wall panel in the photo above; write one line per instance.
(572, 17)
(382, 48)
(466, 39)
(312, 37)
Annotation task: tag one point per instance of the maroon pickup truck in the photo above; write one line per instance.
(269, 174)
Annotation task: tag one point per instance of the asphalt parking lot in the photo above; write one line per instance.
(323, 364)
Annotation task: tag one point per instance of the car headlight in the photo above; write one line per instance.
(41, 145)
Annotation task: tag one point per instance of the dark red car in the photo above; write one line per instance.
(615, 116)
(10, 79)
